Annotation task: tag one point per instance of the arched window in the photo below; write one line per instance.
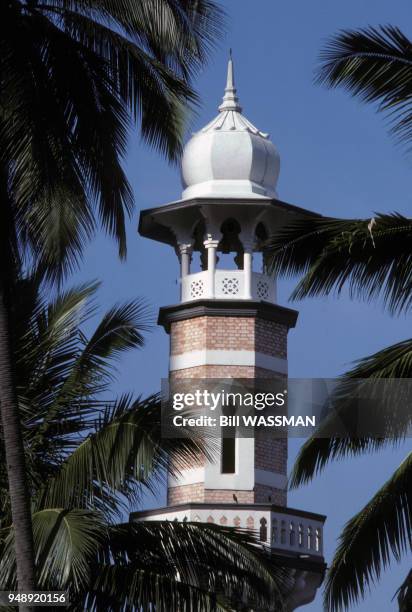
(229, 244)
(300, 535)
(310, 537)
(274, 531)
(263, 531)
(236, 521)
(261, 237)
(292, 533)
(223, 520)
(210, 519)
(283, 533)
(318, 540)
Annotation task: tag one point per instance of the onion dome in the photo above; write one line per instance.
(230, 157)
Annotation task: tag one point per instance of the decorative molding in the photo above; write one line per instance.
(227, 506)
(227, 308)
(193, 359)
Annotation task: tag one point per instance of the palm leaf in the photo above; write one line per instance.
(209, 558)
(404, 594)
(119, 587)
(64, 133)
(389, 368)
(66, 540)
(381, 529)
(125, 452)
(370, 257)
(374, 64)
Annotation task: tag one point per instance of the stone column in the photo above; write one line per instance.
(211, 246)
(247, 269)
(185, 256)
(185, 259)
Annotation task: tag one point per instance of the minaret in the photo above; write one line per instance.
(228, 324)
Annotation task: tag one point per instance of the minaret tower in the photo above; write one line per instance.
(228, 324)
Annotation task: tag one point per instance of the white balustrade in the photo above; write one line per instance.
(299, 533)
(228, 285)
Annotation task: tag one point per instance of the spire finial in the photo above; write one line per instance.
(230, 99)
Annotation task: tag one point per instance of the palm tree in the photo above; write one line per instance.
(371, 257)
(89, 458)
(375, 65)
(75, 75)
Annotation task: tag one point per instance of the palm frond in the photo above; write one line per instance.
(384, 379)
(66, 541)
(381, 529)
(61, 373)
(209, 558)
(371, 258)
(119, 587)
(125, 452)
(404, 594)
(64, 133)
(374, 64)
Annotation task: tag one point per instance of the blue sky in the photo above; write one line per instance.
(337, 159)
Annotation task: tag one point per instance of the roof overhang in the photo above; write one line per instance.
(163, 223)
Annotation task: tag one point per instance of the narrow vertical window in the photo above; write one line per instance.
(229, 455)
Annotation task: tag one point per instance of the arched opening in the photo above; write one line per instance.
(300, 535)
(283, 533)
(310, 537)
(292, 533)
(230, 246)
(274, 531)
(199, 256)
(318, 540)
(263, 531)
(260, 237)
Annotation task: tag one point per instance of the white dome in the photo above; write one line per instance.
(230, 157)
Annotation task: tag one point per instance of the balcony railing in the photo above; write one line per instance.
(228, 285)
(293, 531)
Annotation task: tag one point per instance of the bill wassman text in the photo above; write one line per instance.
(245, 421)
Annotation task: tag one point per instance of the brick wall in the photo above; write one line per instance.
(233, 333)
(226, 496)
(264, 494)
(228, 333)
(271, 452)
(197, 493)
(185, 493)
